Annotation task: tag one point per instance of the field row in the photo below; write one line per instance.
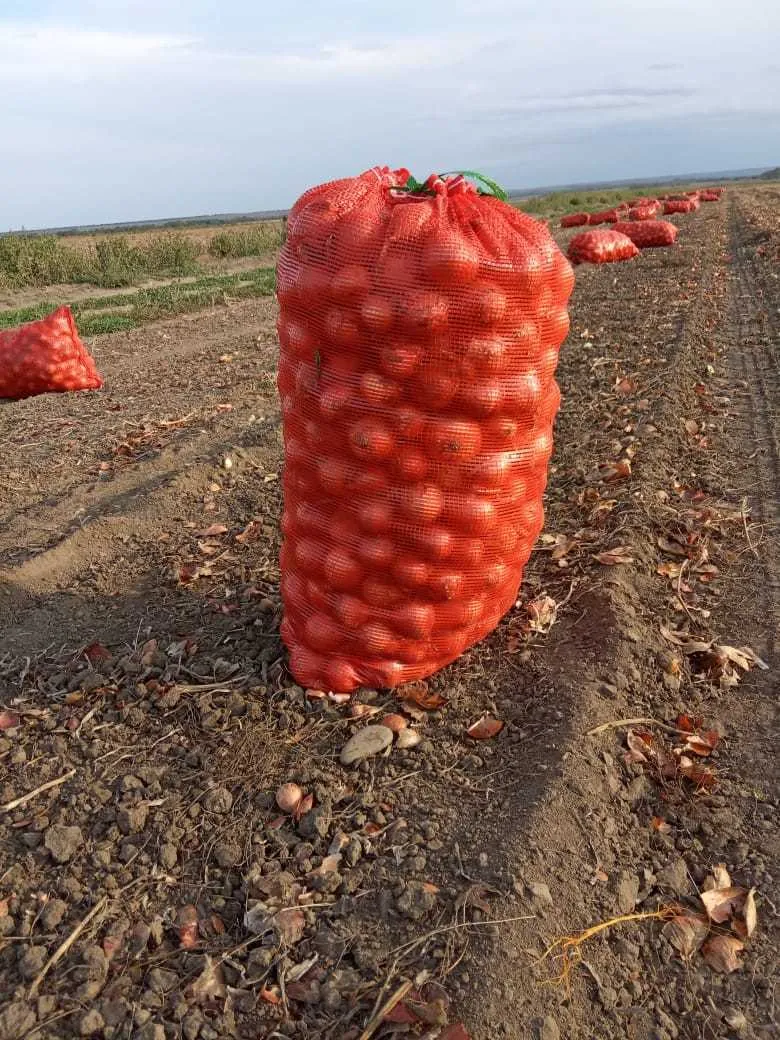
(116, 260)
(120, 311)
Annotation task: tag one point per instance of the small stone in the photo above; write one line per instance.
(316, 824)
(46, 1005)
(548, 1029)
(353, 852)
(131, 819)
(674, 876)
(93, 972)
(63, 842)
(7, 925)
(218, 800)
(417, 899)
(367, 742)
(150, 1031)
(31, 962)
(226, 855)
(191, 1024)
(129, 666)
(115, 1011)
(540, 893)
(408, 738)
(638, 789)
(90, 1023)
(608, 996)
(627, 891)
(168, 856)
(16, 1020)
(139, 938)
(736, 1019)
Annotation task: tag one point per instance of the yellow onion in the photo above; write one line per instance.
(288, 797)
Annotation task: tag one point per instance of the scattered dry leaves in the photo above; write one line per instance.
(717, 662)
(210, 984)
(686, 933)
(721, 952)
(187, 927)
(485, 728)
(611, 472)
(542, 614)
(614, 557)
(419, 694)
(9, 720)
(289, 924)
(721, 903)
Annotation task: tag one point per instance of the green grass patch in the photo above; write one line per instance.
(121, 311)
(100, 324)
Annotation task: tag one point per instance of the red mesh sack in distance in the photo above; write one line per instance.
(419, 332)
(574, 220)
(647, 234)
(642, 213)
(601, 247)
(709, 196)
(45, 356)
(678, 206)
(607, 216)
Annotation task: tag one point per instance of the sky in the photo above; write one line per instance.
(115, 110)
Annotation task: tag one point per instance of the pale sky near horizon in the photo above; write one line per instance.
(116, 110)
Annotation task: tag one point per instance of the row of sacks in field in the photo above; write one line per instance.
(644, 208)
(634, 227)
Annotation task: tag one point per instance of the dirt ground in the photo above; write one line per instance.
(150, 887)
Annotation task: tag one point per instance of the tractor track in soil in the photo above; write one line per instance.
(756, 320)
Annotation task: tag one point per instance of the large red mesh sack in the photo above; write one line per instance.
(45, 356)
(574, 220)
(419, 333)
(678, 206)
(647, 234)
(709, 196)
(606, 216)
(601, 247)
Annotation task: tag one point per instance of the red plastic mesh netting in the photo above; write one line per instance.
(647, 233)
(605, 216)
(574, 220)
(45, 356)
(679, 206)
(644, 212)
(419, 334)
(601, 247)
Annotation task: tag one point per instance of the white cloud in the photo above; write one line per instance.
(55, 48)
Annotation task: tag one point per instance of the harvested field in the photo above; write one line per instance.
(149, 885)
